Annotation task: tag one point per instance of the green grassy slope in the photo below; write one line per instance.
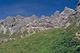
(50, 41)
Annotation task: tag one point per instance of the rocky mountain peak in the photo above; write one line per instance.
(28, 25)
(78, 3)
(56, 13)
(67, 11)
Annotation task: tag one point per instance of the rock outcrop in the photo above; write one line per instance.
(20, 25)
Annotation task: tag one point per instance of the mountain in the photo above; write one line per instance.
(19, 25)
(58, 33)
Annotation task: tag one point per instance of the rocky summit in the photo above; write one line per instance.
(17, 26)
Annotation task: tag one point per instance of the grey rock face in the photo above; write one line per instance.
(21, 25)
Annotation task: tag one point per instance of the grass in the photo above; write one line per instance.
(49, 41)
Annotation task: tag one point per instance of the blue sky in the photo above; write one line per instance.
(30, 7)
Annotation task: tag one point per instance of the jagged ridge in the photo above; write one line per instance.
(19, 26)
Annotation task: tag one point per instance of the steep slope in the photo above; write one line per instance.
(42, 37)
(50, 41)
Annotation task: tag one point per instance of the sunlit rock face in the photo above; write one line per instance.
(60, 19)
(8, 21)
(78, 8)
(77, 16)
(20, 25)
(78, 5)
(64, 16)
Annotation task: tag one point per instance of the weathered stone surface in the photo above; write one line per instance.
(20, 24)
